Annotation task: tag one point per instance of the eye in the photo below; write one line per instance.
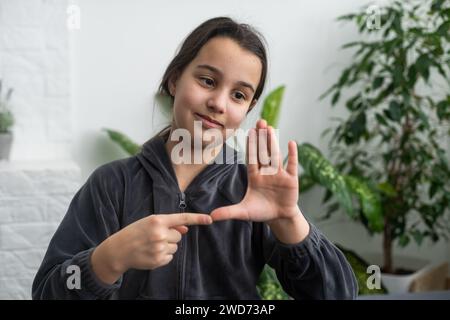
(239, 95)
(207, 81)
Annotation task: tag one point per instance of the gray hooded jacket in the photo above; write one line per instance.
(219, 261)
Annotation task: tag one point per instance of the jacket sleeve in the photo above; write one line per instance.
(312, 269)
(92, 216)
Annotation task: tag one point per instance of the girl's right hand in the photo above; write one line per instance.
(146, 244)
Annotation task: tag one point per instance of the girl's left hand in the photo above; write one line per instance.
(272, 191)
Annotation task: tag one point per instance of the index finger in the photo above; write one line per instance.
(292, 158)
(178, 219)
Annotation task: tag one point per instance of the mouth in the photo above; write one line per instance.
(208, 121)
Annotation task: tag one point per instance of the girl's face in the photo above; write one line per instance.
(219, 83)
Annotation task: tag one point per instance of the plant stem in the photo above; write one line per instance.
(399, 178)
(387, 246)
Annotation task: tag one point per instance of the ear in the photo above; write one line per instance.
(172, 85)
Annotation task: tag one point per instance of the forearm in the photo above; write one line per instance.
(290, 230)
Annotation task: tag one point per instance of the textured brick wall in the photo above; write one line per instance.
(36, 186)
(33, 199)
(34, 60)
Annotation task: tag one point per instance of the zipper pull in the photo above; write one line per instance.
(182, 204)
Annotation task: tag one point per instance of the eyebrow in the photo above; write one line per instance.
(215, 70)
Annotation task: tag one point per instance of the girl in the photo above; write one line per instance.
(147, 227)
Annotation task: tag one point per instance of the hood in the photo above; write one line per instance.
(218, 184)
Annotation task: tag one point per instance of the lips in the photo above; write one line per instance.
(208, 119)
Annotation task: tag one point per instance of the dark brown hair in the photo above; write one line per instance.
(244, 35)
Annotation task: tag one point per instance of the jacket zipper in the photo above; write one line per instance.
(182, 206)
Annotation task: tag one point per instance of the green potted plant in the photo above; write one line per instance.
(6, 122)
(396, 92)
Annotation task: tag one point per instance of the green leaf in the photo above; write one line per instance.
(350, 16)
(377, 82)
(123, 141)
(6, 121)
(433, 188)
(423, 65)
(436, 5)
(444, 29)
(344, 77)
(403, 240)
(329, 90)
(412, 75)
(305, 183)
(323, 172)
(380, 119)
(269, 288)
(272, 106)
(359, 266)
(417, 236)
(383, 94)
(327, 196)
(395, 111)
(398, 75)
(369, 200)
(354, 103)
(355, 128)
(387, 189)
(442, 109)
(352, 44)
(331, 209)
(423, 117)
(8, 95)
(335, 98)
(397, 23)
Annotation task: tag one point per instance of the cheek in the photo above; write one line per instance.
(234, 119)
(236, 114)
(186, 100)
(190, 95)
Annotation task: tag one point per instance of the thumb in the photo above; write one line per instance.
(181, 229)
(236, 211)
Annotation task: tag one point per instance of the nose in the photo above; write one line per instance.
(217, 102)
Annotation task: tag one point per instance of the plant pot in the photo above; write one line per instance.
(5, 145)
(425, 276)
